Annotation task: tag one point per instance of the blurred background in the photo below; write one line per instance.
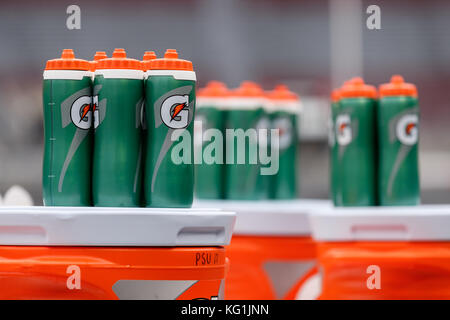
(311, 45)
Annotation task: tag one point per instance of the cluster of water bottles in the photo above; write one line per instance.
(247, 142)
(108, 127)
(374, 144)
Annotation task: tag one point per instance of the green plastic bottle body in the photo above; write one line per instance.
(169, 167)
(335, 189)
(67, 142)
(117, 166)
(284, 182)
(243, 179)
(398, 133)
(209, 176)
(263, 181)
(356, 154)
(144, 134)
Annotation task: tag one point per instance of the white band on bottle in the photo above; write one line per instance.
(120, 73)
(66, 74)
(177, 74)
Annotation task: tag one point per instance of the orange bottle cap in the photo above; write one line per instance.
(119, 60)
(213, 89)
(398, 87)
(248, 89)
(282, 92)
(148, 56)
(356, 88)
(349, 81)
(68, 62)
(98, 56)
(171, 62)
(335, 95)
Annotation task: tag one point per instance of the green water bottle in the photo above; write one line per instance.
(398, 134)
(146, 59)
(335, 190)
(355, 127)
(118, 96)
(208, 139)
(285, 109)
(245, 116)
(67, 98)
(170, 105)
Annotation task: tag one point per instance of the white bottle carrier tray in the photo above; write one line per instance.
(95, 226)
(269, 217)
(415, 223)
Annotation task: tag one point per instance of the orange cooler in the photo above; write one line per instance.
(384, 252)
(107, 253)
(272, 254)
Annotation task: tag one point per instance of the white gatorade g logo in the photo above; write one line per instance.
(95, 111)
(343, 129)
(175, 111)
(81, 113)
(407, 130)
(285, 128)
